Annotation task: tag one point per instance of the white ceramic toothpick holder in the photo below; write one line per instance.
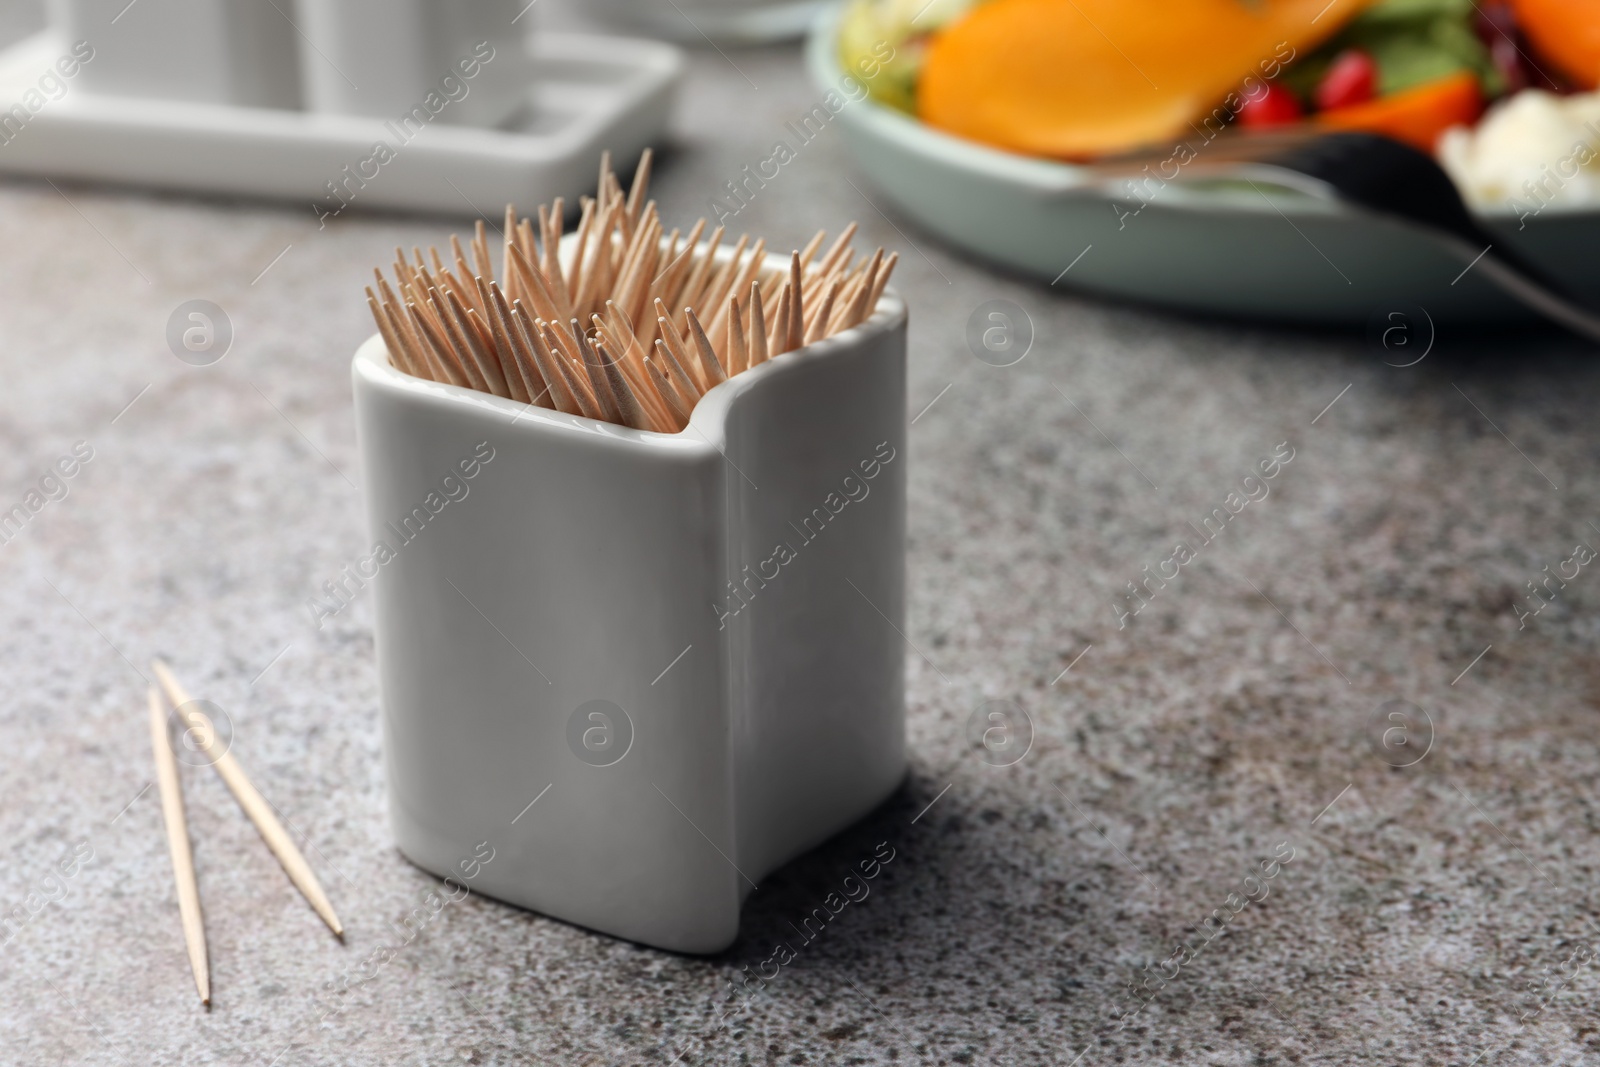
(234, 53)
(382, 58)
(646, 669)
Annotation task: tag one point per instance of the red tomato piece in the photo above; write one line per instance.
(1352, 79)
(1275, 107)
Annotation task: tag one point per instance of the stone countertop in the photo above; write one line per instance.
(1436, 913)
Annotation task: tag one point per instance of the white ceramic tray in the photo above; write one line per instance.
(586, 94)
(1276, 252)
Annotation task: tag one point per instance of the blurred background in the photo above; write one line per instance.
(1383, 667)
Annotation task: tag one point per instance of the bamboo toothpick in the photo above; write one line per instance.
(250, 799)
(738, 352)
(194, 931)
(710, 365)
(620, 278)
(757, 349)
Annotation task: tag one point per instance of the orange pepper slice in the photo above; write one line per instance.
(1076, 78)
(1418, 115)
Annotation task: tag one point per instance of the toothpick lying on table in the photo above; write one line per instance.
(594, 332)
(194, 931)
(250, 799)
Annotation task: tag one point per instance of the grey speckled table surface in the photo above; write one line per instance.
(1438, 913)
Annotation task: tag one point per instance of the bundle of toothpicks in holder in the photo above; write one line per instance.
(637, 503)
(610, 330)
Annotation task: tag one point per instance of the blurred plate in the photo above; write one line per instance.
(1226, 248)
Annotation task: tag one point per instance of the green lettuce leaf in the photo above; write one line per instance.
(1411, 41)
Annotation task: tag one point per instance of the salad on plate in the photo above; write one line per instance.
(1503, 92)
